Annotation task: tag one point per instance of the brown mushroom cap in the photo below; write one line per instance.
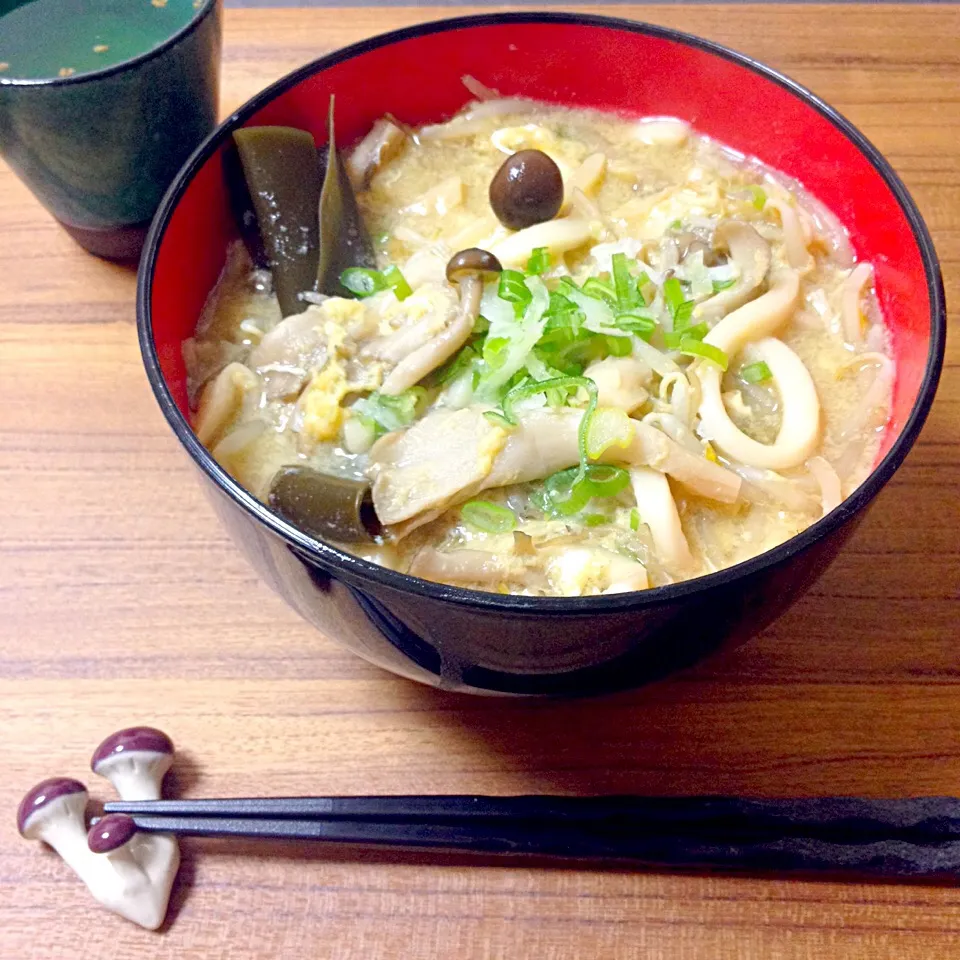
(42, 795)
(527, 189)
(111, 832)
(132, 739)
(472, 261)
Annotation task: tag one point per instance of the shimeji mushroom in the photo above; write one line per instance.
(135, 761)
(133, 879)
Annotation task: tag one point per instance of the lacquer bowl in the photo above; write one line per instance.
(488, 643)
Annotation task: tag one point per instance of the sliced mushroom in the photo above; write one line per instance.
(751, 254)
(324, 506)
(381, 145)
(449, 456)
(221, 401)
(468, 269)
(285, 357)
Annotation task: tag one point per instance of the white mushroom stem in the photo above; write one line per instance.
(558, 236)
(658, 511)
(851, 315)
(800, 423)
(136, 774)
(442, 347)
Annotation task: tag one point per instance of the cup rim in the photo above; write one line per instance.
(341, 563)
(200, 14)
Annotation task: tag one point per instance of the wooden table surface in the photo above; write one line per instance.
(122, 601)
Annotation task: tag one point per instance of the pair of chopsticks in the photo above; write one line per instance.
(917, 838)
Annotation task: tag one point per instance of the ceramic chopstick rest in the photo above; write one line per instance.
(128, 872)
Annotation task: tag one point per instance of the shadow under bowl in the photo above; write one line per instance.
(488, 643)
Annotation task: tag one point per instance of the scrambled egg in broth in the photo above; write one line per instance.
(679, 368)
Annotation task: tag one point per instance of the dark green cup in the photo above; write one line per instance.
(99, 147)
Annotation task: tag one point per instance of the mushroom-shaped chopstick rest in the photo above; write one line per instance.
(133, 879)
(135, 761)
(143, 868)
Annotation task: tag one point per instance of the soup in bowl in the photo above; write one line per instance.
(562, 379)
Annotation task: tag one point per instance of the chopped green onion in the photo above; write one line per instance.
(609, 427)
(599, 290)
(480, 325)
(644, 281)
(488, 517)
(675, 224)
(756, 372)
(495, 351)
(624, 288)
(498, 419)
(563, 495)
(513, 289)
(697, 348)
(539, 262)
(758, 196)
(673, 296)
(395, 279)
(530, 389)
(619, 346)
(719, 285)
(636, 323)
(363, 282)
(390, 413)
(458, 365)
(673, 338)
(605, 480)
(595, 519)
(683, 314)
(634, 519)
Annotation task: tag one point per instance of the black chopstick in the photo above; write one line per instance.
(927, 820)
(586, 841)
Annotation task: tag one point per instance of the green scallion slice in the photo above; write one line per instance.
(513, 288)
(634, 519)
(756, 372)
(539, 262)
(707, 351)
(719, 285)
(362, 281)
(623, 285)
(599, 290)
(758, 196)
(488, 517)
(395, 279)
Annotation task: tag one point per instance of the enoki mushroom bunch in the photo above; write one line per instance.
(130, 873)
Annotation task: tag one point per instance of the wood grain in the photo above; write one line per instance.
(122, 601)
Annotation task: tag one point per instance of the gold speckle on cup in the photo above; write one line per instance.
(159, 4)
(101, 48)
(66, 72)
(6, 66)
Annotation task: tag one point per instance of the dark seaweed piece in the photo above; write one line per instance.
(281, 167)
(324, 506)
(241, 205)
(344, 241)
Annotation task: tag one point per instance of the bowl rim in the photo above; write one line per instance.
(200, 15)
(340, 563)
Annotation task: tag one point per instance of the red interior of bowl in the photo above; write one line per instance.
(418, 80)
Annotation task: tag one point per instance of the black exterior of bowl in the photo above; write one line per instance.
(487, 643)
